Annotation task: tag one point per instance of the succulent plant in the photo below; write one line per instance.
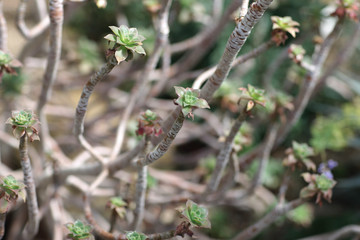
(196, 215)
(126, 42)
(10, 190)
(319, 185)
(135, 236)
(149, 124)
(299, 154)
(296, 53)
(79, 230)
(189, 99)
(253, 95)
(281, 26)
(7, 64)
(349, 8)
(24, 122)
(118, 205)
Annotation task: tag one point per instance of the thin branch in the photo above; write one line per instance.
(311, 80)
(223, 157)
(3, 29)
(140, 197)
(338, 234)
(31, 199)
(20, 22)
(268, 219)
(56, 12)
(2, 224)
(270, 142)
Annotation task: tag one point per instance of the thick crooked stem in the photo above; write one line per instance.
(164, 145)
(31, 200)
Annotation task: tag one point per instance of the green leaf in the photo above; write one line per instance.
(111, 37)
(180, 91)
(140, 50)
(121, 54)
(201, 103)
(115, 30)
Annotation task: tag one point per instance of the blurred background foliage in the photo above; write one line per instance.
(330, 123)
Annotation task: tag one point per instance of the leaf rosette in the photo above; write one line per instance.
(24, 122)
(196, 215)
(126, 42)
(188, 99)
(135, 236)
(79, 230)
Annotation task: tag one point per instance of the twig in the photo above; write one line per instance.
(268, 219)
(270, 142)
(140, 92)
(36, 30)
(311, 80)
(243, 9)
(223, 157)
(3, 29)
(2, 224)
(338, 234)
(141, 185)
(56, 17)
(31, 200)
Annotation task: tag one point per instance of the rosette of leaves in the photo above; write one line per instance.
(349, 8)
(296, 53)
(118, 205)
(149, 124)
(254, 96)
(196, 215)
(7, 64)
(135, 236)
(318, 185)
(24, 122)
(10, 190)
(79, 230)
(189, 99)
(299, 155)
(126, 42)
(282, 26)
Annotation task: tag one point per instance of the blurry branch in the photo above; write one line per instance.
(234, 45)
(239, 60)
(223, 157)
(344, 54)
(210, 35)
(140, 91)
(217, 8)
(3, 29)
(268, 219)
(311, 80)
(338, 234)
(270, 142)
(91, 169)
(243, 9)
(2, 224)
(31, 199)
(37, 29)
(56, 12)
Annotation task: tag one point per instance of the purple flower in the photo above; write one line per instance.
(325, 168)
(332, 164)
